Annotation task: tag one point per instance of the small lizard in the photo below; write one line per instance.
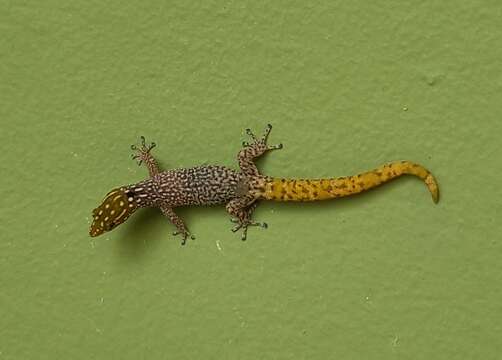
(239, 190)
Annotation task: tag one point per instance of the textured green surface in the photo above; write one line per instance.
(347, 85)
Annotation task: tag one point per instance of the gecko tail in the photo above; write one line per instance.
(323, 189)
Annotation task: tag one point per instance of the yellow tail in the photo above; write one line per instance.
(322, 189)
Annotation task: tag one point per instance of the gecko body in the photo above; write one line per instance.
(240, 191)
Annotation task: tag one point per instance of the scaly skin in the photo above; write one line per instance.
(239, 190)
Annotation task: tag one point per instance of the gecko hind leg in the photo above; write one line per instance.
(254, 149)
(242, 215)
(259, 145)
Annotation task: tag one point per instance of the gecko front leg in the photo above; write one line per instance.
(143, 155)
(178, 222)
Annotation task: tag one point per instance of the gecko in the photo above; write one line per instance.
(240, 191)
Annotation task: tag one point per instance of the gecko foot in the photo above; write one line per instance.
(184, 236)
(260, 144)
(244, 226)
(142, 151)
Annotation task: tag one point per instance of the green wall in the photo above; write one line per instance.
(347, 85)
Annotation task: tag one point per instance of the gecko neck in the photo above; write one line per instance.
(143, 193)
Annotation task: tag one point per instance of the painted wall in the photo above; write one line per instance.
(347, 86)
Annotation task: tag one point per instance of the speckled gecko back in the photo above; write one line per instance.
(200, 185)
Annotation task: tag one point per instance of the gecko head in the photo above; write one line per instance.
(116, 208)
